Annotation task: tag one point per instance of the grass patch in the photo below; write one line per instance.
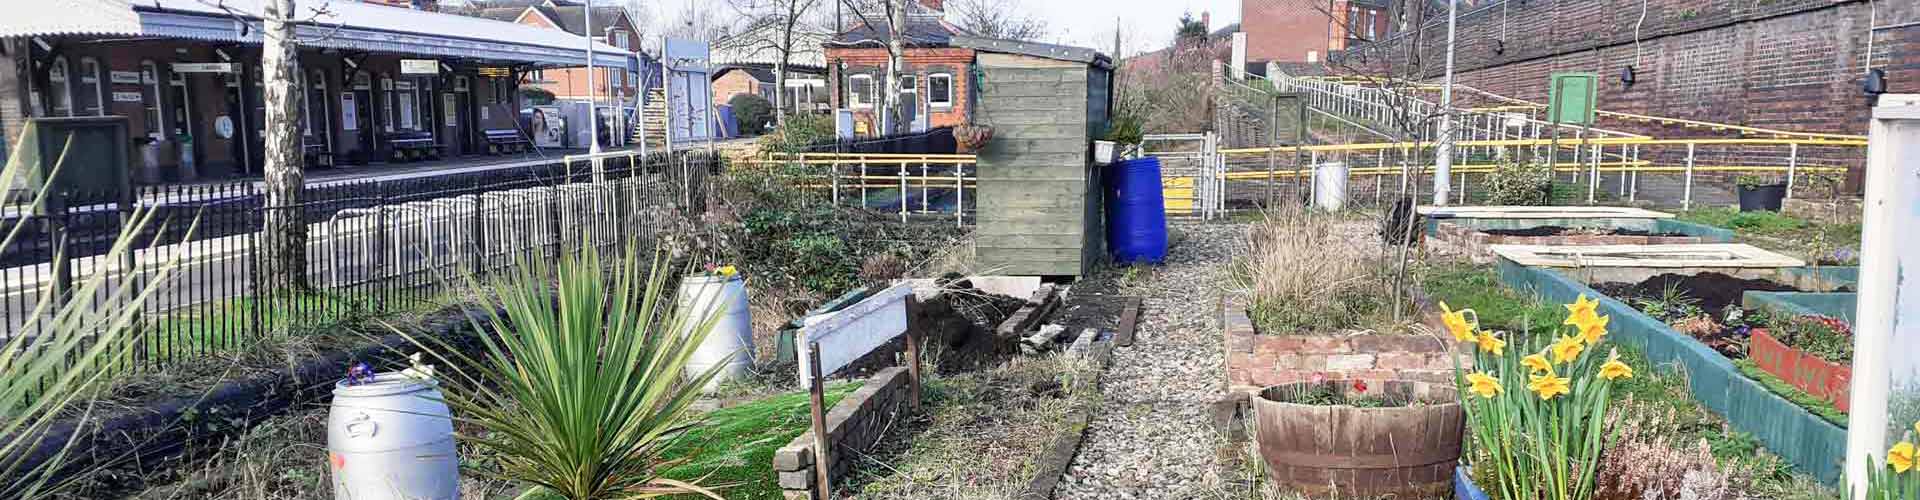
(1783, 389)
(236, 323)
(1464, 286)
(1825, 243)
(734, 446)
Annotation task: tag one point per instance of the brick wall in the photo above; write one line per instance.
(855, 424)
(1788, 64)
(571, 83)
(733, 83)
(1256, 361)
(919, 62)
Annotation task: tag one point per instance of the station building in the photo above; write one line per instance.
(377, 83)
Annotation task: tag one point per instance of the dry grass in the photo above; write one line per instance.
(1309, 272)
(980, 435)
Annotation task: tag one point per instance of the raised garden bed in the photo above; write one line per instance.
(1256, 361)
(1473, 237)
(1808, 441)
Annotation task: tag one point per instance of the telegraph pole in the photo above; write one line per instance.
(1443, 159)
(593, 115)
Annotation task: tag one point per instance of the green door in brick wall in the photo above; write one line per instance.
(1572, 97)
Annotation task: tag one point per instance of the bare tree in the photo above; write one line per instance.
(894, 15)
(772, 25)
(1004, 19)
(699, 21)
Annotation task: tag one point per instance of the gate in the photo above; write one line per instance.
(1191, 173)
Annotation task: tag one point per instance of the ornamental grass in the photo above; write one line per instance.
(1537, 404)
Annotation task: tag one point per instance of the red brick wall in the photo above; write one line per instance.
(1788, 64)
(733, 83)
(1286, 30)
(917, 61)
(571, 83)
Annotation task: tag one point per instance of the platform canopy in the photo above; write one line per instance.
(332, 24)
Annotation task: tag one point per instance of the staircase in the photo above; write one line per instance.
(652, 126)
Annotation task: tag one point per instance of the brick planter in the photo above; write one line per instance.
(1823, 379)
(856, 423)
(1256, 361)
(1474, 243)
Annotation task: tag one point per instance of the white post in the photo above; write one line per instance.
(1593, 176)
(1793, 162)
(1886, 301)
(593, 116)
(903, 191)
(959, 195)
(1686, 200)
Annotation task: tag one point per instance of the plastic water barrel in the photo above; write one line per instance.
(391, 438)
(1136, 212)
(1330, 186)
(731, 341)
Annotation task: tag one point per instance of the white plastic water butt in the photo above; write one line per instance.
(1330, 186)
(391, 438)
(731, 341)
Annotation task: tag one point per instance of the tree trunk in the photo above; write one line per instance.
(283, 234)
(896, 19)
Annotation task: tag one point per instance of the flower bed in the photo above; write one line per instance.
(1826, 374)
(1807, 440)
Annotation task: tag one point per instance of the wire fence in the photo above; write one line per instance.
(371, 246)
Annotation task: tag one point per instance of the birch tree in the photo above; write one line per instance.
(772, 25)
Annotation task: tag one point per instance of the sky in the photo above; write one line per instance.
(1148, 24)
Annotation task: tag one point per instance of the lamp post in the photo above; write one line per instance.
(1443, 157)
(593, 115)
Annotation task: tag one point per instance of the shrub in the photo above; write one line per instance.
(752, 112)
(1752, 181)
(1644, 461)
(800, 130)
(1518, 181)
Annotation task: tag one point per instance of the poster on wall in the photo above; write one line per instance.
(127, 97)
(349, 114)
(447, 102)
(129, 77)
(689, 95)
(548, 126)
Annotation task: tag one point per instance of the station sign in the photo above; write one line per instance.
(203, 67)
(419, 67)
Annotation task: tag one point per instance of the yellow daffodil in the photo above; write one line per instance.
(1536, 363)
(1916, 428)
(1901, 456)
(1484, 385)
(1456, 322)
(1581, 309)
(1492, 344)
(1613, 369)
(1594, 328)
(1567, 349)
(1549, 385)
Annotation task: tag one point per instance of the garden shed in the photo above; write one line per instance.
(1039, 210)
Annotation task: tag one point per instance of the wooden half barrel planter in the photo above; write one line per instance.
(1322, 450)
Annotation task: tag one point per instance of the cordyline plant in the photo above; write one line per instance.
(581, 386)
(1543, 442)
(67, 347)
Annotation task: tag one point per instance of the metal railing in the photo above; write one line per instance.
(371, 246)
(927, 185)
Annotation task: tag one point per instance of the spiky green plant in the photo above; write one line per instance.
(581, 386)
(65, 349)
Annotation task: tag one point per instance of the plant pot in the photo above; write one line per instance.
(1762, 198)
(730, 343)
(1463, 487)
(1397, 452)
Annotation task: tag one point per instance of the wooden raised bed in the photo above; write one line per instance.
(1397, 452)
(1823, 379)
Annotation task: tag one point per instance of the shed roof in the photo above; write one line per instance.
(1050, 51)
(344, 25)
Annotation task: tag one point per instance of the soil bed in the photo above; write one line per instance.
(1558, 230)
(1714, 291)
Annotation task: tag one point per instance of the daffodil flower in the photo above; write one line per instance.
(1901, 456)
(1536, 363)
(1567, 349)
(1613, 369)
(1456, 322)
(1549, 385)
(1492, 344)
(1581, 309)
(726, 271)
(1594, 328)
(1484, 385)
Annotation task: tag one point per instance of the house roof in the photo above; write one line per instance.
(570, 18)
(756, 46)
(759, 74)
(1046, 50)
(346, 25)
(925, 27)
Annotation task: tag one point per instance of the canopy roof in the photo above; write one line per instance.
(327, 24)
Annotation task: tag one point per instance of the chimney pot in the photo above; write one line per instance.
(935, 5)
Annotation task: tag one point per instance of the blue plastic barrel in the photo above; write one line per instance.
(1136, 212)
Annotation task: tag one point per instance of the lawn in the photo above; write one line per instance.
(1657, 399)
(1815, 241)
(733, 447)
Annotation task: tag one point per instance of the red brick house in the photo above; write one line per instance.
(1283, 31)
(934, 75)
(610, 24)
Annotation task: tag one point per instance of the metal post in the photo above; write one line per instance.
(1593, 175)
(1686, 200)
(863, 184)
(1793, 163)
(926, 205)
(903, 191)
(1633, 189)
(816, 400)
(833, 181)
(959, 195)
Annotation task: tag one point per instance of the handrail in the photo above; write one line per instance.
(1564, 143)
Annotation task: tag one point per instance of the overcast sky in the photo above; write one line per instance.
(1090, 23)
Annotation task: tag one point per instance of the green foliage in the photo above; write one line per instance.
(1672, 305)
(1476, 288)
(800, 130)
(1190, 27)
(583, 382)
(1761, 223)
(1799, 397)
(803, 247)
(1752, 181)
(752, 112)
(735, 445)
(1517, 181)
(1830, 339)
(1126, 129)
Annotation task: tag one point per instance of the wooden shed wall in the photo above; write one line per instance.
(1038, 206)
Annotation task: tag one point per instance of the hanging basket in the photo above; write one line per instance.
(972, 138)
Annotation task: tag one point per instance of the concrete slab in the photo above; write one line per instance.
(1513, 212)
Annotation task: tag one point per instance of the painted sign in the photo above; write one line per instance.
(419, 67)
(223, 126)
(403, 85)
(127, 97)
(847, 335)
(132, 77)
(203, 67)
(349, 114)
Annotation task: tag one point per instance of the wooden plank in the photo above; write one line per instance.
(1688, 255)
(1030, 240)
(1129, 320)
(1570, 212)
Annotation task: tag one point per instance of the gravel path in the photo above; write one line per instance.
(1153, 437)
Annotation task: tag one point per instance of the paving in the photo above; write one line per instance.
(1152, 437)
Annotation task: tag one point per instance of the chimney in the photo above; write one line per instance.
(1206, 19)
(939, 6)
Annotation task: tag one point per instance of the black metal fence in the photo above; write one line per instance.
(371, 245)
(935, 141)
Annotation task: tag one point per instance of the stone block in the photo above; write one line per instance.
(1350, 362)
(1400, 360)
(1397, 343)
(791, 457)
(1324, 345)
(797, 480)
